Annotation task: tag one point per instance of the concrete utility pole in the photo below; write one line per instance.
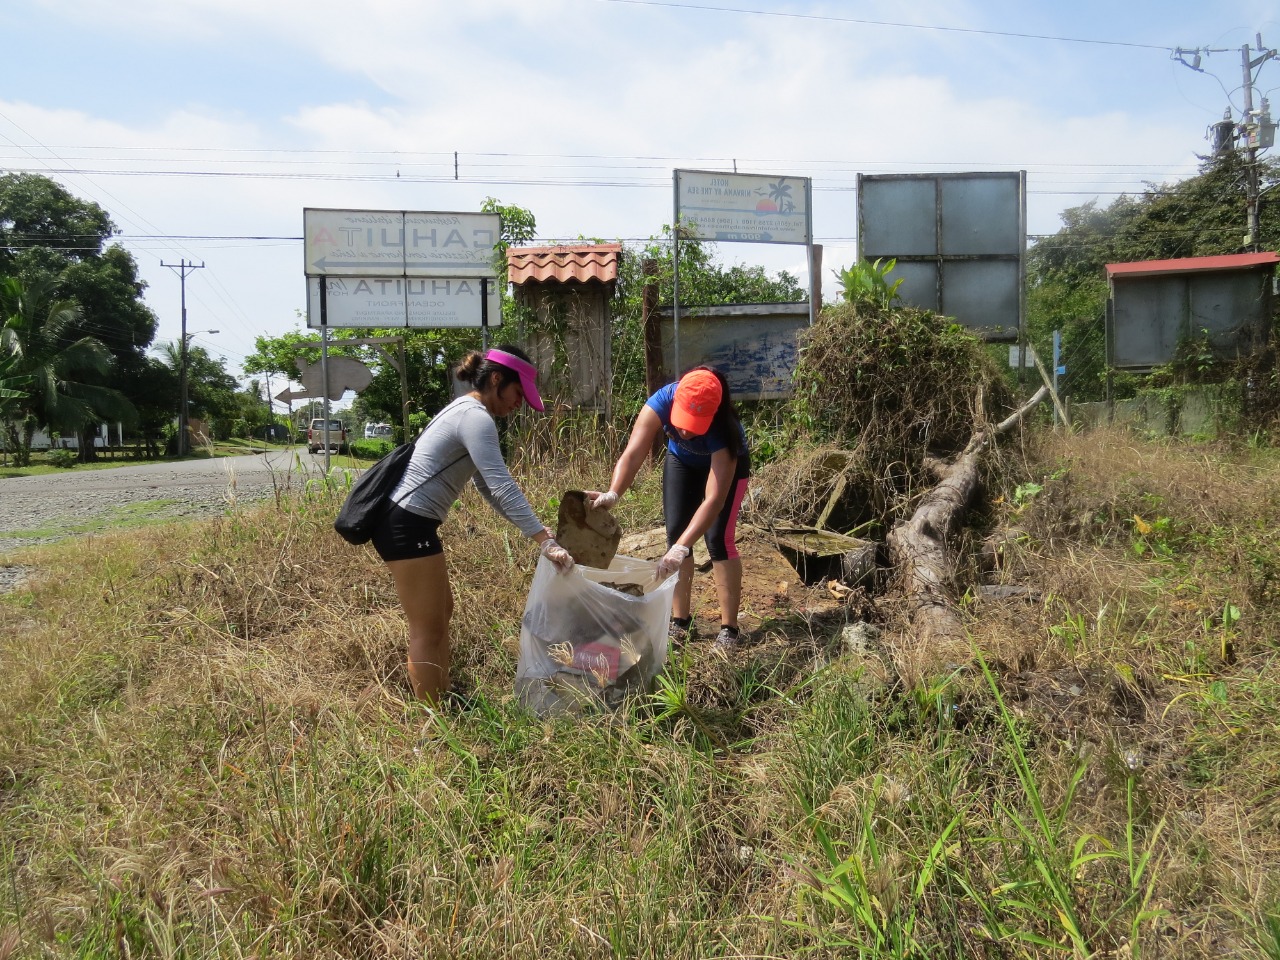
(1250, 126)
(182, 268)
(1255, 128)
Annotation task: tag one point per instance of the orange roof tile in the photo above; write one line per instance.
(1232, 261)
(564, 264)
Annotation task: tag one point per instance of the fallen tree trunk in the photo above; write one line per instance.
(918, 547)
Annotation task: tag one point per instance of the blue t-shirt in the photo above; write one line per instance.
(696, 451)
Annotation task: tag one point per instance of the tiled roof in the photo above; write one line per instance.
(564, 264)
(1234, 261)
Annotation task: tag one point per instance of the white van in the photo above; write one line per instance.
(375, 431)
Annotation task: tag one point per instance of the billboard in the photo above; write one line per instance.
(742, 207)
(381, 243)
(959, 240)
(381, 302)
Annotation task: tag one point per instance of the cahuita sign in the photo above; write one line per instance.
(384, 302)
(350, 243)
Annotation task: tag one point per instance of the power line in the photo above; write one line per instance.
(884, 23)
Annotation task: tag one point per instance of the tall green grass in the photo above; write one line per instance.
(207, 750)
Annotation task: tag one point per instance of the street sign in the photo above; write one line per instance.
(743, 207)
(401, 302)
(386, 243)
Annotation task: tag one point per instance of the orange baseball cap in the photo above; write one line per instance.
(697, 399)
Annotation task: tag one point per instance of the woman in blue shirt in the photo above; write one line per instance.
(704, 480)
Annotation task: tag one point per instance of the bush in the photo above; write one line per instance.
(62, 457)
(370, 449)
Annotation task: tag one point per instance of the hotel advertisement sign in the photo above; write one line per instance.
(742, 207)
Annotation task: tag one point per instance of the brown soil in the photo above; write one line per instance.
(774, 597)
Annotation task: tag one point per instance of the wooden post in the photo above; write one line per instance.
(815, 281)
(653, 376)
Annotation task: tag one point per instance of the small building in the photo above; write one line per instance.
(1155, 305)
(569, 289)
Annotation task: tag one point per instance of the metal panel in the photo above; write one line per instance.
(919, 284)
(980, 216)
(944, 229)
(982, 292)
(1230, 307)
(757, 355)
(897, 217)
(1150, 314)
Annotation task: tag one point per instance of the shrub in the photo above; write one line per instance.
(62, 457)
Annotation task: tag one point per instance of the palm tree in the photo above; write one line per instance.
(41, 366)
(780, 193)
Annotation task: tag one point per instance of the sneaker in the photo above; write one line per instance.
(679, 634)
(727, 638)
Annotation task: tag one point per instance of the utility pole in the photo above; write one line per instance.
(1250, 128)
(182, 268)
(1255, 128)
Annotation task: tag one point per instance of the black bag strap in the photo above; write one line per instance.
(398, 500)
(414, 442)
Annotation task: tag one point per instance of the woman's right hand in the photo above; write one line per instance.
(601, 501)
(670, 563)
(557, 555)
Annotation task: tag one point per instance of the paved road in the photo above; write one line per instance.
(47, 507)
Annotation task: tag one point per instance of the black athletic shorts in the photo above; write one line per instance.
(405, 535)
(683, 490)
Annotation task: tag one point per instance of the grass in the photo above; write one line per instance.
(222, 448)
(120, 517)
(206, 748)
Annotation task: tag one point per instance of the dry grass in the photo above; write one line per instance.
(206, 747)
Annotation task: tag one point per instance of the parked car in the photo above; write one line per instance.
(375, 431)
(315, 435)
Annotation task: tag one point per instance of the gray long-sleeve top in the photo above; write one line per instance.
(461, 444)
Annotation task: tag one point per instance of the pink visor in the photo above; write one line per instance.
(527, 372)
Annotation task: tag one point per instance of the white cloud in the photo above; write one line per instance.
(399, 85)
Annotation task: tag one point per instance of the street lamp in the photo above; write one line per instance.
(182, 376)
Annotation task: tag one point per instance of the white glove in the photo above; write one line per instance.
(601, 501)
(557, 555)
(670, 563)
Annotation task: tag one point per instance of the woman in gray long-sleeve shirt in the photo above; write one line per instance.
(460, 444)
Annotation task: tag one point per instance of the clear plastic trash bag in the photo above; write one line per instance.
(590, 637)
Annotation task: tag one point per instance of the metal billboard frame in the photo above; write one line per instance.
(922, 239)
(744, 231)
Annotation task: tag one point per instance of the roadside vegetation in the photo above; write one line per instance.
(206, 746)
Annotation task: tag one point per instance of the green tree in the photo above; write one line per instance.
(152, 386)
(1066, 272)
(211, 390)
(50, 236)
(40, 352)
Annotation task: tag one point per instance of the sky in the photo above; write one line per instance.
(206, 127)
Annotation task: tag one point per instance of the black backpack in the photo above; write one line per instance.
(370, 496)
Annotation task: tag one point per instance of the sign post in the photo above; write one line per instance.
(398, 268)
(741, 208)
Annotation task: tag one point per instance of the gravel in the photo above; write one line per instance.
(46, 508)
